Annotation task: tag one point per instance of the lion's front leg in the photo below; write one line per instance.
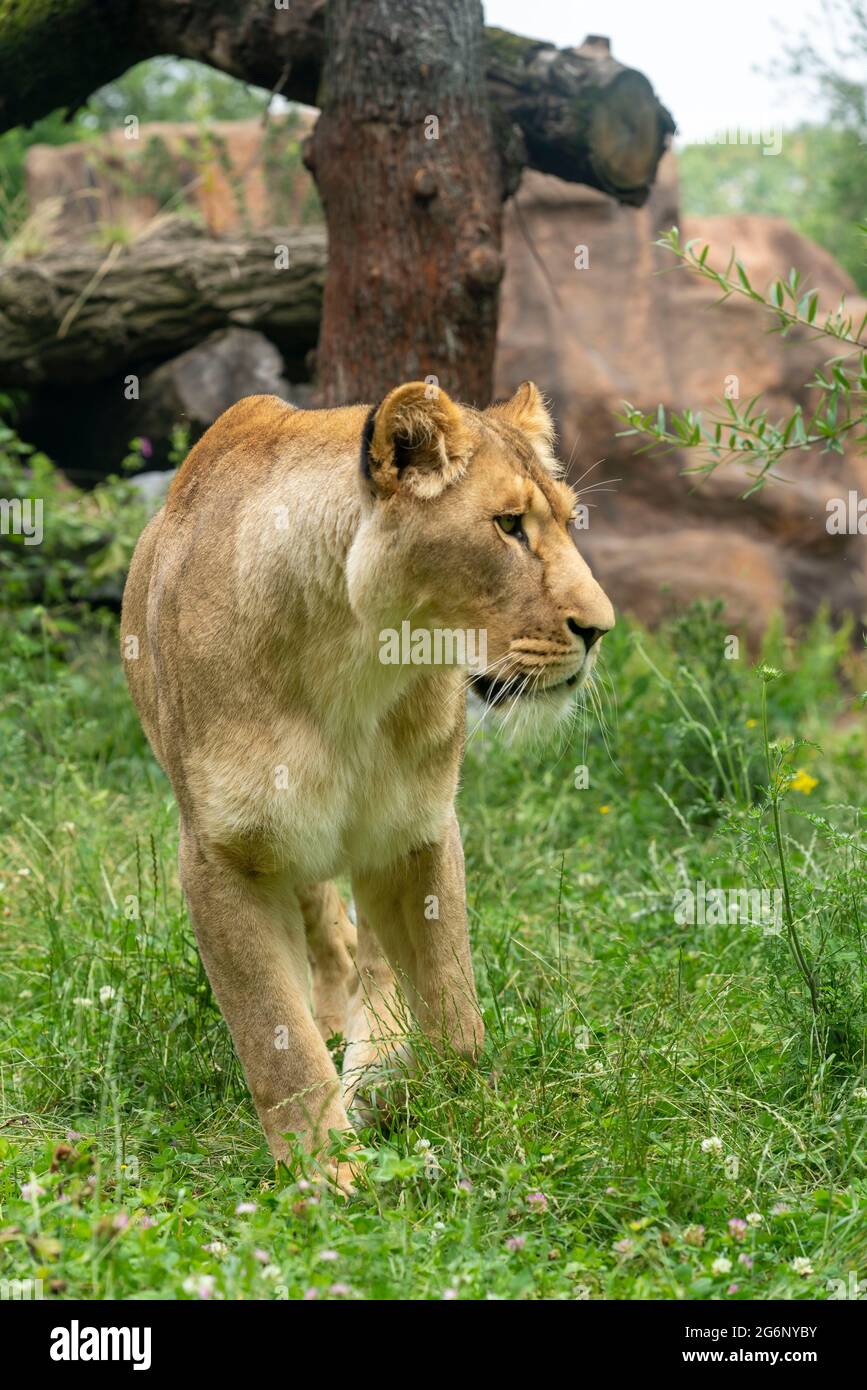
(251, 937)
(413, 959)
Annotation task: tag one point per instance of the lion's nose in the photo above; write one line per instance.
(589, 635)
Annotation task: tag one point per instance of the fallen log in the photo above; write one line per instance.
(582, 115)
(83, 313)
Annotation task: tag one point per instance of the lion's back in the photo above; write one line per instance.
(136, 654)
(252, 438)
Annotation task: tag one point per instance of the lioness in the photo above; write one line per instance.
(253, 615)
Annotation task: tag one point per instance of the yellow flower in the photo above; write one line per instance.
(803, 782)
(603, 810)
(751, 723)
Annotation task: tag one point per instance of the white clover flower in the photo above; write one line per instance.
(215, 1247)
(106, 994)
(721, 1265)
(754, 1218)
(271, 1272)
(714, 1145)
(801, 1265)
(202, 1285)
(83, 1002)
(860, 1093)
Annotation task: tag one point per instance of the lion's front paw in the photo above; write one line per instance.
(374, 1077)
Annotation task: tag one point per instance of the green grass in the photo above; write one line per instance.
(571, 1163)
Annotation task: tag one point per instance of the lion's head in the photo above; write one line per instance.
(466, 527)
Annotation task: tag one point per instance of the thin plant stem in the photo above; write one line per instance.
(773, 792)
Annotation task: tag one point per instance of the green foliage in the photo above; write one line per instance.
(835, 66)
(172, 89)
(817, 179)
(157, 172)
(283, 170)
(87, 537)
(645, 1082)
(745, 432)
(14, 144)
(816, 183)
(163, 89)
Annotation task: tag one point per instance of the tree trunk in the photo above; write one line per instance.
(427, 122)
(544, 100)
(81, 314)
(404, 158)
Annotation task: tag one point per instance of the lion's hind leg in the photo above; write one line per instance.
(331, 950)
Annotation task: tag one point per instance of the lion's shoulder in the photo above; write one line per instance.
(256, 433)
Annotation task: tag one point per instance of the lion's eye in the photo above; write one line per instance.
(511, 525)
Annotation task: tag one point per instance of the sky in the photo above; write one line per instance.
(701, 59)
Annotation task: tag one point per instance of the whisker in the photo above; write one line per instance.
(487, 670)
(512, 711)
(490, 700)
(597, 487)
(568, 464)
(603, 725)
(586, 470)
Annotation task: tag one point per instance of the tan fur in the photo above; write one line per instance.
(258, 596)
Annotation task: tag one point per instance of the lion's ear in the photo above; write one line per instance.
(416, 438)
(526, 410)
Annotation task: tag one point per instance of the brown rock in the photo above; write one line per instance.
(585, 313)
(199, 385)
(236, 176)
(655, 575)
(616, 330)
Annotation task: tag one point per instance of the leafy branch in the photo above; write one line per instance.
(745, 432)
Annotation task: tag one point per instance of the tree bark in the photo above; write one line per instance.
(81, 314)
(404, 158)
(572, 112)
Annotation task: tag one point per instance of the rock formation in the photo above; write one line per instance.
(587, 312)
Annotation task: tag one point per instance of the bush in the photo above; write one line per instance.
(79, 544)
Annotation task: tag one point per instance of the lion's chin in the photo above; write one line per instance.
(533, 719)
